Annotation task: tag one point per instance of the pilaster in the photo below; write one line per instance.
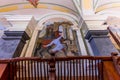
(100, 42)
(12, 43)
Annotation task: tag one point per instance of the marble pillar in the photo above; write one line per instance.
(12, 43)
(100, 42)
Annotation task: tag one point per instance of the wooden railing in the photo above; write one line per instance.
(65, 68)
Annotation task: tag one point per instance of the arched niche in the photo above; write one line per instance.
(73, 19)
(66, 20)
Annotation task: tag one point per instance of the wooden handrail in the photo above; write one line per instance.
(109, 58)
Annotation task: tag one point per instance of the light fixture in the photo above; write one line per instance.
(34, 2)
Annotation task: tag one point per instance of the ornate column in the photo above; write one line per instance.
(100, 42)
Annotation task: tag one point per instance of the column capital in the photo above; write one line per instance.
(15, 35)
(96, 33)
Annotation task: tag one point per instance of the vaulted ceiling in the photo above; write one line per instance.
(24, 7)
(99, 7)
(110, 6)
(85, 7)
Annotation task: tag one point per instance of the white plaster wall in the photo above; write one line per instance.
(22, 23)
(26, 14)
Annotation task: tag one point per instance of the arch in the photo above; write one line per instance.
(73, 19)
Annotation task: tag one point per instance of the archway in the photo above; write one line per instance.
(56, 20)
(40, 27)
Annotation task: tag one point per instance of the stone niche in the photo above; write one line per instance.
(15, 37)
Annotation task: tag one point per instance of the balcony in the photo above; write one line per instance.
(65, 68)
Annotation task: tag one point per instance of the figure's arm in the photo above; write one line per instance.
(59, 37)
(49, 44)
